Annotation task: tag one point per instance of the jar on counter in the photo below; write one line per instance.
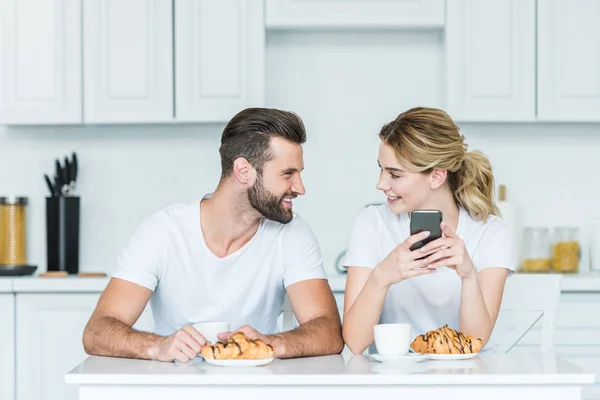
(536, 250)
(13, 237)
(565, 250)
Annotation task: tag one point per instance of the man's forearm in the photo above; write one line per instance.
(106, 336)
(320, 336)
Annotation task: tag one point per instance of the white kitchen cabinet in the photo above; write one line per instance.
(49, 331)
(490, 60)
(569, 60)
(128, 61)
(293, 14)
(7, 346)
(40, 67)
(576, 335)
(219, 58)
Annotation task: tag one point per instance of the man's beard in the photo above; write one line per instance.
(268, 204)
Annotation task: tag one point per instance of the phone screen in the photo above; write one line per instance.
(425, 220)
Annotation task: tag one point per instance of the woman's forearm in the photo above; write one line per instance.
(474, 316)
(364, 314)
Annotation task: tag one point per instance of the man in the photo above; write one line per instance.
(231, 257)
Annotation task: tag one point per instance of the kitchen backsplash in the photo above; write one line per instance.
(359, 83)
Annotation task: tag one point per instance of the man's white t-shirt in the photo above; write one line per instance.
(428, 301)
(168, 255)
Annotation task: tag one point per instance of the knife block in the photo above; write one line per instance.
(62, 233)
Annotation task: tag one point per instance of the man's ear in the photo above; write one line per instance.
(437, 178)
(243, 172)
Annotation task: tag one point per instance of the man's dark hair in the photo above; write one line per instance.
(249, 133)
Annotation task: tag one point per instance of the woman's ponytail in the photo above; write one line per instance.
(474, 186)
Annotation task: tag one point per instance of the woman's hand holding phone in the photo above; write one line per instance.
(448, 251)
(402, 263)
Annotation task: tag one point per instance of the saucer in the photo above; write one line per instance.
(408, 358)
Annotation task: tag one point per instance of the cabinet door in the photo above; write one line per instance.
(569, 60)
(40, 67)
(282, 14)
(7, 346)
(49, 342)
(576, 335)
(490, 60)
(219, 58)
(128, 61)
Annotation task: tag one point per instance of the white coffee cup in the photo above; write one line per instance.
(392, 340)
(210, 330)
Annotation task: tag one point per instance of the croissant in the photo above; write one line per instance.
(238, 347)
(446, 340)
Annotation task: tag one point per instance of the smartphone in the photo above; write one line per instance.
(425, 220)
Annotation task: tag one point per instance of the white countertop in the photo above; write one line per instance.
(337, 282)
(490, 369)
(5, 286)
(71, 284)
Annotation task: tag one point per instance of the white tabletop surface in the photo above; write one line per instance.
(489, 369)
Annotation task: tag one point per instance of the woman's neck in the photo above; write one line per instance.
(444, 201)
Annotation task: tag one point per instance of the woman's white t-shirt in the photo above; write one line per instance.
(168, 255)
(428, 301)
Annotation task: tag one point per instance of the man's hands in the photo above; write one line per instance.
(183, 345)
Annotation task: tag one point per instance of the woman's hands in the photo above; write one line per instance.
(402, 263)
(449, 251)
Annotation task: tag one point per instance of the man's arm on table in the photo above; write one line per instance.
(109, 331)
(320, 330)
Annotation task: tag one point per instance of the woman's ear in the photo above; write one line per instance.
(243, 172)
(437, 178)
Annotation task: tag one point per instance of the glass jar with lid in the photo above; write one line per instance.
(536, 250)
(565, 249)
(13, 250)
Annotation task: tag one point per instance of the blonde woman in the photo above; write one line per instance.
(425, 165)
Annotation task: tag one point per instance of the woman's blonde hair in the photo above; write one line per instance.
(425, 139)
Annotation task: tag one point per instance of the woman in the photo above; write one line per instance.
(425, 165)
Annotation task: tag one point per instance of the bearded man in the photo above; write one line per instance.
(231, 256)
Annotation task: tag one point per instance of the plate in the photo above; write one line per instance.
(239, 363)
(450, 356)
(410, 357)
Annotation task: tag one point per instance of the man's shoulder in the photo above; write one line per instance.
(173, 215)
(177, 210)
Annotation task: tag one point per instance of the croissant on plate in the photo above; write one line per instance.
(446, 340)
(238, 347)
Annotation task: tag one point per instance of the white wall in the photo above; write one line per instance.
(345, 86)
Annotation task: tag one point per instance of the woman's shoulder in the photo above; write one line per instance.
(493, 226)
(378, 213)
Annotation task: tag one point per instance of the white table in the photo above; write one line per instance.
(489, 376)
